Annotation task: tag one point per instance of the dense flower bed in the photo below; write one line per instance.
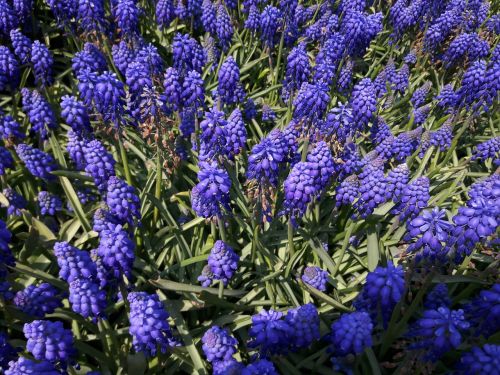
(249, 188)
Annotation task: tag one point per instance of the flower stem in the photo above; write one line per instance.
(222, 229)
(158, 183)
(123, 155)
(291, 247)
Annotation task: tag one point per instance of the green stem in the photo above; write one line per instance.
(291, 247)
(222, 229)
(305, 149)
(345, 244)
(213, 230)
(123, 155)
(158, 183)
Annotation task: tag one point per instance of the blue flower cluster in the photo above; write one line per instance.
(296, 148)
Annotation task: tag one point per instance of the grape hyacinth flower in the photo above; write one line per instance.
(380, 84)
(300, 189)
(6, 160)
(345, 77)
(348, 161)
(126, 13)
(262, 366)
(400, 81)
(328, 57)
(372, 188)
(442, 137)
(223, 263)
(472, 81)
(49, 203)
(351, 333)
(397, 179)
(218, 344)
(86, 297)
(49, 341)
(148, 323)
(164, 13)
(311, 101)
(76, 149)
(236, 132)
(448, 99)
(252, 23)
(210, 197)
(437, 297)
(25, 366)
(193, 92)
(473, 223)
(75, 114)
(297, 68)
(150, 58)
(420, 94)
(304, 321)
(102, 217)
(89, 58)
(91, 15)
(489, 149)
(265, 161)
(384, 288)
(123, 201)
(321, 158)
(230, 90)
(430, 231)
(73, 263)
(438, 331)
(109, 97)
(64, 11)
(480, 360)
(363, 102)
(38, 163)
(10, 130)
(21, 45)
(38, 300)
(315, 277)
(99, 164)
(122, 55)
(269, 332)
(138, 79)
(173, 89)
(420, 114)
(116, 250)
(86, 86)
(270, 22)
(42, 61)
(8, 18)
(208, 16)
(213, 137)
(414, 199)
(483, 311)
(223, 27)
(486, 188)
(359, 28)
(7, 352)
(187, 54)
(16, 202)
(40, 114)
(268, 114)
(410, 58)
(405, 144)
(347, 192)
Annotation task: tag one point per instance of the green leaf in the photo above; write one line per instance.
(188, 288)
(75, 202)
(373, 248)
